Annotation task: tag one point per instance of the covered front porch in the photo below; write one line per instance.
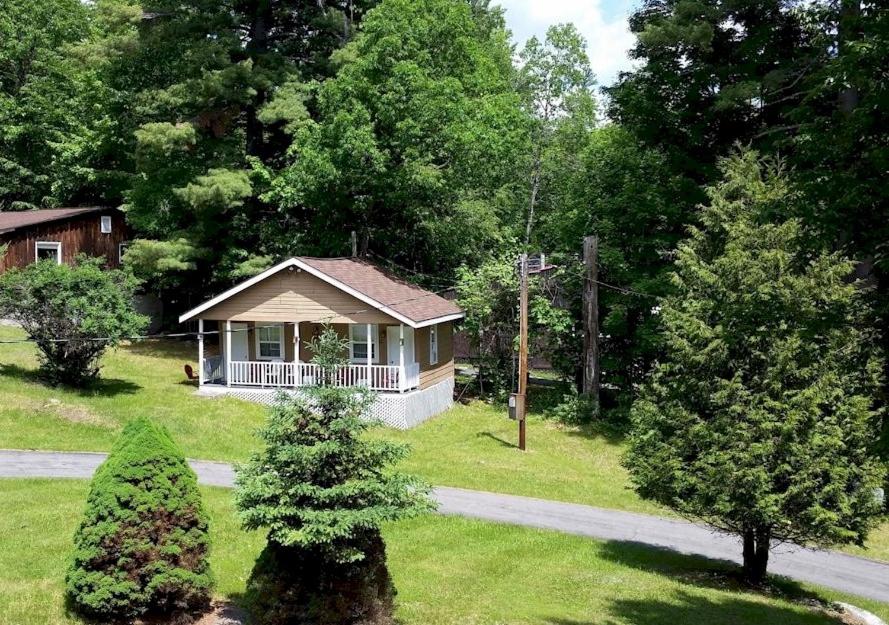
(263, 354)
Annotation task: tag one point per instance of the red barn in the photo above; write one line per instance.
(62, 234)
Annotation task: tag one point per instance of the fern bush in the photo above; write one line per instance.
(142, 546)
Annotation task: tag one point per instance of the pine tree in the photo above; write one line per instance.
(323, 490)
(760, 419)
(142, 547)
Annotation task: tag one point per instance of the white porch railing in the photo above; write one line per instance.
(292, 374)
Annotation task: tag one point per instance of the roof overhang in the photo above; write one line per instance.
(297, 263)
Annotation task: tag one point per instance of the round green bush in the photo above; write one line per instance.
(143, 544)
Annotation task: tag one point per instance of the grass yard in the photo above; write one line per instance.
(141, 379)
(448, 571)
(473, 446)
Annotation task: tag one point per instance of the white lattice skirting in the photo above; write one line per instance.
(398, 410)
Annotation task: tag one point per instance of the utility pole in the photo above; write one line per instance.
(354, 244)
(591, 318)
(523, 349)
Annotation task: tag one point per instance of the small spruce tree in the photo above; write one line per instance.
(323, 489)
(761, 418)
(142, 546)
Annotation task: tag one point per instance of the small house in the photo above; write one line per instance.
(62, 234)
(255, 338)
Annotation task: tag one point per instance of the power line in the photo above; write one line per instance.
(179, 335)
(414, 272)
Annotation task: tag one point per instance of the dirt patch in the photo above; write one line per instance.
(60, 410)
(224, 613)
(220, 613)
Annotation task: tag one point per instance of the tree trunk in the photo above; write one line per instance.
(849, 31)
(757, 541)
(257, 47)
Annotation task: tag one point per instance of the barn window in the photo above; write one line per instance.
(121, 250)
(49, 250)
(106, 224)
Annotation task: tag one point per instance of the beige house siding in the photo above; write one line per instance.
(295, 296)
(433, 374)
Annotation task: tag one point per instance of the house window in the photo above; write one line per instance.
(49, 250)
(433, 345)
(270, 342)
(358, 343)
(121, 250)
(106, 224)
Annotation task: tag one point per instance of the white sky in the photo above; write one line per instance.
(602, 22)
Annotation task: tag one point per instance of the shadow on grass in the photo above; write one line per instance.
(103, 387)
(167, 348)
(701, 572)
(503, 442)
(685, 607)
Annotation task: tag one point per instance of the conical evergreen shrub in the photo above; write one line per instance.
(323, 489)
(142, 547)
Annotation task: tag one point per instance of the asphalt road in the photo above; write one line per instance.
(859, 576)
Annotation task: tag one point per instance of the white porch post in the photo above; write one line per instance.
(228, 352)
(200, 352)
(402, 381)
(296, 380)
(370, 339)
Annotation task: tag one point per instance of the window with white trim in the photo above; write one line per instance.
(105, 224)
(270, 342)
(121, 250)
(48, 250)
(358, 343)
(433, 345)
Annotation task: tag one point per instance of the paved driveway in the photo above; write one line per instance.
(858, 576)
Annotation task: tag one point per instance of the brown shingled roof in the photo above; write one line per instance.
(384, 287)
(13, 220)
(361, 279)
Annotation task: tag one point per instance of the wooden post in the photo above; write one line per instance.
(201, 352)
(228, 352)
(369, 355)
(402, 377)
(523, 348)
(590, 385)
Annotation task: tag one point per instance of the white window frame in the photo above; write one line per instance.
(121, 250)
(375, 343)
(103, 220)
(48, 245)
(433, 345)
(257, 335)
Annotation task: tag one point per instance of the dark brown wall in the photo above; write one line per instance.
(79, 234)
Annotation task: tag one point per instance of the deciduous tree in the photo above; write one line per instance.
(72, 313)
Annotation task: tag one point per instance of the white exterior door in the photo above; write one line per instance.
(392, 340)
(239, 342)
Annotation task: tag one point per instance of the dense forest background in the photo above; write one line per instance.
(236, 132)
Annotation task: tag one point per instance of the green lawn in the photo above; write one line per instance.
(447, 571)
(472, 446)
(141, 379)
